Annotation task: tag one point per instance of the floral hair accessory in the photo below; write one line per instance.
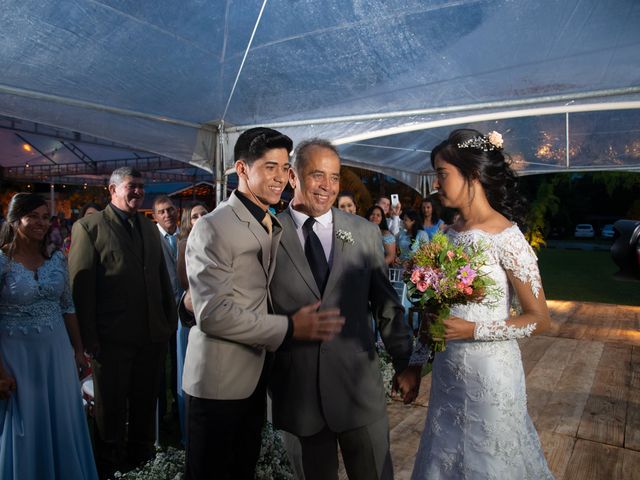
(489, 142)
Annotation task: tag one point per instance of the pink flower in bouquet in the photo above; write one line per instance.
(468, 290)
(416, 275)
(466, 275)
(422, 286)
(450, 255)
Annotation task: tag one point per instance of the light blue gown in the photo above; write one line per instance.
(433, 229)
(43, 429)
(407, 247)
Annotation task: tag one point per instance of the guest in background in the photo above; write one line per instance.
(54, 235)
(376, 215)
(126, 313)
(166, 216)
(87, 209)
(412, 235)
(190, 216)
(43, 429)
(347, 202)
(392, 213)
(431, 221)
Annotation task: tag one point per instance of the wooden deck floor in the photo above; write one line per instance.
(583, 388)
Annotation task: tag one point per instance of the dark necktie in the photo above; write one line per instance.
(136, 236)
(315, 255)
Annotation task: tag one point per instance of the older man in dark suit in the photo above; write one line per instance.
(331, 392)
(126, 311)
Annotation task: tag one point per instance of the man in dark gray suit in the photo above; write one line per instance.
(166, 216)
(331, 392)
(126, 311)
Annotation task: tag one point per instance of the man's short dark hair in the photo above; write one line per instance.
(254, 143)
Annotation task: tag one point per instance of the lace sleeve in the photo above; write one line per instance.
(492, 331)
(517, 256)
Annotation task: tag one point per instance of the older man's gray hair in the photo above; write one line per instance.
(302, 151)
(119, 174)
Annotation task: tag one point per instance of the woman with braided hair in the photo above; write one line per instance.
(478, 425)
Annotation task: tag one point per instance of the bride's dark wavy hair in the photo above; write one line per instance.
(491, 168)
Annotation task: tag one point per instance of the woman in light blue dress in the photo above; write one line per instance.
(43, 429)
(376, 215)
(190, 216)
(431, 221)
(411, 236)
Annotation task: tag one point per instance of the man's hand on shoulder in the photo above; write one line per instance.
(311, 324)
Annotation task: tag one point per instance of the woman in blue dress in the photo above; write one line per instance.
(431, 221)
(411, 236)
(43, 429)
(376, 215)
(190, 216)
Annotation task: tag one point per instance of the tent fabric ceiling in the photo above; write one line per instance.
(384, 79)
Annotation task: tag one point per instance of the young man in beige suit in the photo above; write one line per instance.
(230, 259)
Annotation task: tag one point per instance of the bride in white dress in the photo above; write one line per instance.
(477, 425)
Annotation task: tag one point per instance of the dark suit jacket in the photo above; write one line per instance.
(338, 381)
(119, 297)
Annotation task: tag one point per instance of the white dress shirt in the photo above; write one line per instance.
(393, 222)
(323, 227)
(172, 243)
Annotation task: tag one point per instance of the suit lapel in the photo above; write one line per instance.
(290, 244)
(275, 241)
(166, 248)
(258, 231)
(338, 251)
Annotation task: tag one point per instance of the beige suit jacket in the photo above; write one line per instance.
(230, 260)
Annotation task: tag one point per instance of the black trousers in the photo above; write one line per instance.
(126, 379)
(224, 436)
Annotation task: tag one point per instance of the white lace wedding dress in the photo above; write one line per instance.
(477, 425)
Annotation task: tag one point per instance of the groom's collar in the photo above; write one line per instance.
(299, 218)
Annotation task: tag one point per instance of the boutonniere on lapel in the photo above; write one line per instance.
(346, 237)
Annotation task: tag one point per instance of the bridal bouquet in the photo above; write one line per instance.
(440, 274)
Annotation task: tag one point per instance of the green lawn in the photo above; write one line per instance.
(585, 276)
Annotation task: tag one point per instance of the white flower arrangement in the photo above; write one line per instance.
(386, 369)
(169, 464)
(345, 236)
(495, 139)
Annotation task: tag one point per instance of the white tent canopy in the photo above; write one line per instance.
(384, 79)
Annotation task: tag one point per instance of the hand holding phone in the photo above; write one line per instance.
(394, 200)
